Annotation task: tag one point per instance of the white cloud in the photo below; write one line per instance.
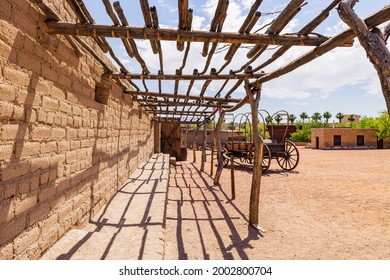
(337, 69)
(170, 8)
(281, 92)
(373, 87)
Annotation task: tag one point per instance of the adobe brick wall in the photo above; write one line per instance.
(62, 154)
(348, 137)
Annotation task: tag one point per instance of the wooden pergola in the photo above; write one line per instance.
(188, 107)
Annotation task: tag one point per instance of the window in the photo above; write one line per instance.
(337, 140)
(360, 140)
(101, 94)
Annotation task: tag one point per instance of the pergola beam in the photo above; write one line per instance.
(183, 77)
(183, 96)
(163, 34)
(154, 103)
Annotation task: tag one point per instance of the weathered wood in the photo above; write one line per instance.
(153, 103)
(184, 77)
(110, 12)
(183, 10)
(232, 181)
(169, 112)
(182, 96)
(148, 22)
(194, 151)
(204, 145)
(374, 20)
(221, 7)
(245, 28)
(77, 10)
(254, 95)
(212, 160)
(307, 29)
(155, 22)
(165, 34)
(277, 26)
(133, 46)
(217, 131)
(126, 41)
(374, 43)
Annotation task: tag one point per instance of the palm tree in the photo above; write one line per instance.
(278, 118)
(292, 118)
(339, 116)
(268, 120)
(327, 116)
(303, 116)
(351, 118)
(316, 117)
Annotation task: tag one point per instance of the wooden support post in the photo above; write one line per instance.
(194, 150)
(217, 130)
(204, 146)
(232, 178)
(258, 155)
(212, 160)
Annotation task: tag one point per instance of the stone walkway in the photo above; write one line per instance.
(130, 227)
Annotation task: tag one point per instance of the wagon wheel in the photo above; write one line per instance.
(250, 155)
(266, 162)
(266, 158)
(225, 155)
(290, 158)
(244, 158)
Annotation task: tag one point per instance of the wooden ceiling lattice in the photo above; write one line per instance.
(187, 107)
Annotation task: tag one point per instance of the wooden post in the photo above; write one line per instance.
(232, 178)
(217, 130)
(194, 150)
(212, 160)
(258, 156)
(204, 146)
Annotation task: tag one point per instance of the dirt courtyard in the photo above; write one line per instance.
(334, 205)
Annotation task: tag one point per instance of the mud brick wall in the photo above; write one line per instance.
(63, 155)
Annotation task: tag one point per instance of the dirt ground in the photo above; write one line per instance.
(334, 205)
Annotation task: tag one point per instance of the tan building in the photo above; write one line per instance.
(346, 138)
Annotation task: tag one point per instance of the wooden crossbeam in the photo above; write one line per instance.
(164, 34)
(182, 96)
(374, 20)
(155, 103)
(191, 113)
(183, 77)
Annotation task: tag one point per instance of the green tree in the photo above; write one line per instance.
(384, 125)
(268, 120)
(316, 117)
(327, 115)
(278, 118)
(351, 119)
(231, 126)
(292, 118)
(339, 116)
(303, 116)
(303, 134)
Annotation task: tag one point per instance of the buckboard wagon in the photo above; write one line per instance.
(241, 147)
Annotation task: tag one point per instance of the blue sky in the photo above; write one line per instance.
(342, 80)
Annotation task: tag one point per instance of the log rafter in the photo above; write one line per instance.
(151, 31)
